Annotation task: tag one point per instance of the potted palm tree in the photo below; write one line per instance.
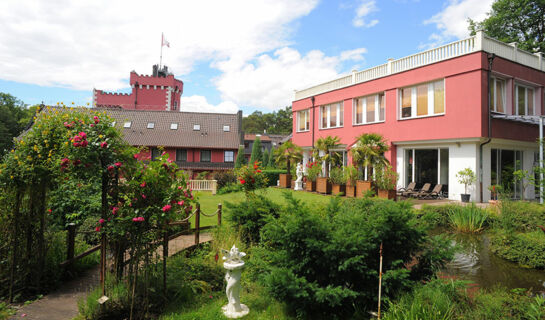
(386, 181)
(337, 179)
(369, 153)
(287, 153)
(325, 145)
(313, 170)
(351, 175)
(466, 177)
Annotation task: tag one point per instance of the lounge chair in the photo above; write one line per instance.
(425, 190)
(434, 194)
(404, 192)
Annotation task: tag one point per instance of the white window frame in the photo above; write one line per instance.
(196, 127)
(306, 113)
(414, 100)
(364, 109)
(225, 156)
(226, 128)
(493, 81)
(151, 125)
(174, 126)
(526, 87)
(328, 107)
(127, 124)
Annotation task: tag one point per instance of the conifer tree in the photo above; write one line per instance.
(257, 154)
(265, 158)
(240, 158)
(272, 160)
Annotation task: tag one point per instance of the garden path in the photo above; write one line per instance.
(63, 303)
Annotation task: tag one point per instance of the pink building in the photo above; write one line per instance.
(160, 91)
(433, 108)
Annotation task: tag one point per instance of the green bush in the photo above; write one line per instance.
(324, 265)
(225, 178)
(435, 216)
(233, 187)
(273, 175)
(520, 215)
(468, 218)
(527, 249)
(336, 176)
(250, 215)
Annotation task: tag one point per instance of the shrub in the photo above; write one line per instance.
(468, 218)
(250, 215)
(328, 265)
(527, 249)
(251, 177)
(313, 170)
(520, 215)
(225, 178)
(435, 216)
(386, 178)
(235, 187)
(273, 175)
(336, 176)
(351, 174)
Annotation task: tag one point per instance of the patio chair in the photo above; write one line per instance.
(403, 192)
(425, 190)
(434, 194)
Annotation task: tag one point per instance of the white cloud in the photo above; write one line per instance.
(95, 43)
(451, 22)
(270, 81)
(196, 103)
(362, 11)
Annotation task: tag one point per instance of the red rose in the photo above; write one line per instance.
(104, 144)
(242, 181)
(118, 164)
(167, 208)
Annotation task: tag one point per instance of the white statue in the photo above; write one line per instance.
(234, 264)
(299, 181)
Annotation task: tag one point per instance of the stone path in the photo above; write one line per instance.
(63, 303)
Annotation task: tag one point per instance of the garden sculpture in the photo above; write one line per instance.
(234, 264)
(299, 181)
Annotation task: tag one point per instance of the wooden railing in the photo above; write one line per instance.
(479, 42)
(203, 185)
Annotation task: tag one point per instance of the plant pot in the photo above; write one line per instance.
(465, 197)
(292, 184)
(338, 188)
(323, 185)
(362, 187)
(285, 180)
(350, 191)
(310, 186)
(387, 194)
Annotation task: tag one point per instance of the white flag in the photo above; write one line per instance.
(164, 41)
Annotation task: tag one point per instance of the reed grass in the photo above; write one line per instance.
(469, 219)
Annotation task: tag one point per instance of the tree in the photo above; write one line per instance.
(520, 21)
(240, 158)
(272, 160)
(288, 152)
(265, 161)
(257, 153)
(277, 122)
(369, 151)
(325, 145)
(14, 116)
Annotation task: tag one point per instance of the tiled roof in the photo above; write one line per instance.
(251, 137)
(210, 135)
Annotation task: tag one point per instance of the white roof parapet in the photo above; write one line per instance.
(479, 42)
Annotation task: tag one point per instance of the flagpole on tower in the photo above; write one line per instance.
(161, 56)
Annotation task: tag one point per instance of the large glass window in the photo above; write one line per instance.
(497, 95)
(303, 120)
(369, 109)
(181, 155)
(525, 100)
(427, 166)
(332, 115)
(503, 163)
(423, 100)
(205, 155)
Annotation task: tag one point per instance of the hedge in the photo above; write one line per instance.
(273, 175)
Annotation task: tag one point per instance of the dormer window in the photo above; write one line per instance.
(226, 128)
(196, 127)
(151, 125)
(127, 124)
(173, 126)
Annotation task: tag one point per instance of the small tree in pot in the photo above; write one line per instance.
(287, 153)
(466, 177)
(386, 181)
(325, 145)
(313, 171)
(369, 153)
(338, 180)
(350, 176)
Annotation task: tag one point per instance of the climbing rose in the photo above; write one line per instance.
(166, 208)
(101, 221)
(139, 219)
(143, 196)
(114, 210)
(96, 119)
(104, 144)
(181, 203)
(64, 162)
(135, 156)
(83, 135)
(242, 181)
(118, 164)
(143, 184)
(97, 229)
(84, 143)
(110, 168)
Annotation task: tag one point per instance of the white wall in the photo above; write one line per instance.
(461, 156)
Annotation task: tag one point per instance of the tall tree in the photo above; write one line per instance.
(14, 116)
(520, 21)
(265, 161)
(289, 153)
(277, 122)
(257, 153)
(240, 158)
(272, 161)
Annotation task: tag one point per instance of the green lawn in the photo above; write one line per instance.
(209, 202)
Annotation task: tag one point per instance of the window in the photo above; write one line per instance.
(181, 155)
(373, 106)
(332, 115)
(497, 95)
(196, 127)
(524, 100)
(226, 128)
(303, 120)
(127, 124)
(229, 156)
(175, 105)
(173, 126)
(151, 125)
(205, 155)
(422, 100)
(155, 153)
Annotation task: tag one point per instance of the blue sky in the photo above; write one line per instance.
(231, 55)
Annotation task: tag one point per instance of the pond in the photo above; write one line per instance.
(475, 262)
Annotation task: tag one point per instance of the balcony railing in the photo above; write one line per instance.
(479, 42)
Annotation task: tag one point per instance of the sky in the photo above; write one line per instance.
(231, 55)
